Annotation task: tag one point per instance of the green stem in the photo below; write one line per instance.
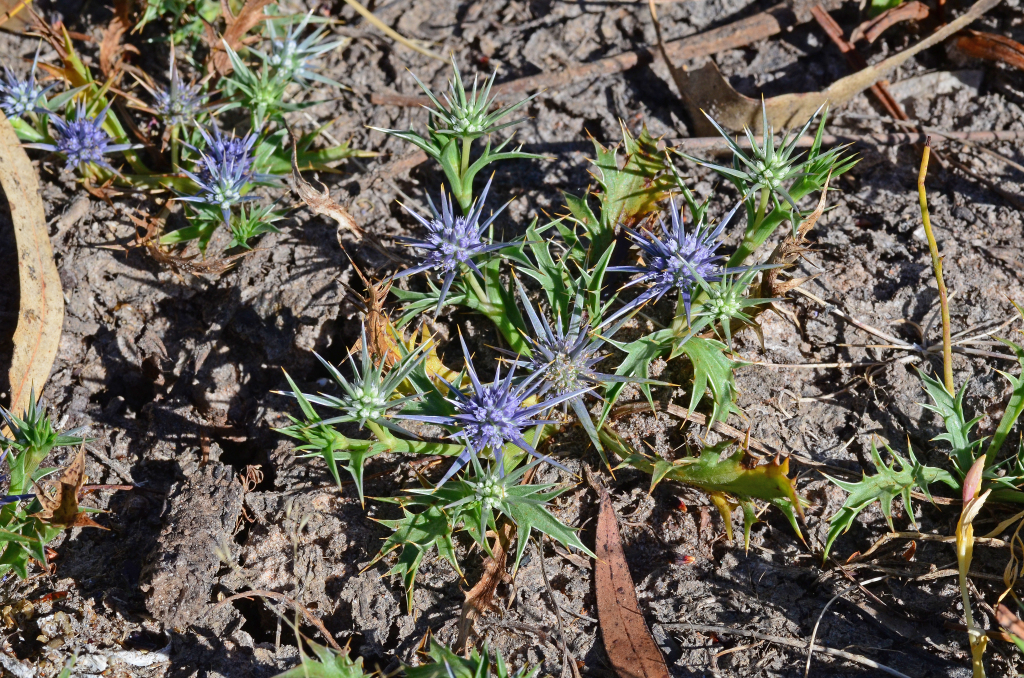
(933, 247)
(762, 206)
(467, 143)
(481, 293)
(382, 433)
(175, 147)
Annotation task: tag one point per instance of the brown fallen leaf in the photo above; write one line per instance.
(380, 333)
(320, 203)
(234, 35)
(41, 309)
(704, 88)
(788, 251)
(480, 598)
(60, 499)
(990, 47)
(111, 48)
(627, 641)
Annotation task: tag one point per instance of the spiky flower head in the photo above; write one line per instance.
(494, 414)
(291, 54)
(564, 355)
(369, 395)
(17, 96)
(465, 115)
(33, 429)
(675, 261)
(767, 168)
(452, 241)
(224, 171)
(82, 141)
(725, 302)
(181, 102)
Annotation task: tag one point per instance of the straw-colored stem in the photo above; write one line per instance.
(392, 33)
(933, 247)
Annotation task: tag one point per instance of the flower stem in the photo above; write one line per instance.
(762, 207)
(467, 143)
(175, 147)
(933, 247)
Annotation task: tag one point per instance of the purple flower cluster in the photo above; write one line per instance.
(82, 140)
(494, 414)
(452, 240)
(180, 102)
(678, 261)
(223, 171)
(18, 97)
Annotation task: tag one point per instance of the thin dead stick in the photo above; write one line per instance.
(933, 247)
(788, 642)
(392, 33)
(298, 606)
(857, 323)
(814, 632)
(732, 36)
(993, 542)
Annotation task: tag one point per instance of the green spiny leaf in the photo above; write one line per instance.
(883, 488)
(712, 369)
(417, 534)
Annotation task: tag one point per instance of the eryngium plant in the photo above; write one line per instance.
(24, 537)
(454, 126)
(555, 352)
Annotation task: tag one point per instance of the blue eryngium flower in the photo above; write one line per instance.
(452, 240)
(292, 55)
(564, 356)
(82, 140)
(181, 102)
(18, 97)
(677, 262)
(494, 414)
(224, 170)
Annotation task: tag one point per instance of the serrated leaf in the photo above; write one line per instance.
(640, 353)
(958, 429)
(1013, 408)
(726, 479)
(530, 517)
(416, 534)
(326, 664)
(883, 487)
(447, 664)
(628, 192)
(713, 370)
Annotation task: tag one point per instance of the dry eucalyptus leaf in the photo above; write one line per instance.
(629, 644)
(41, 310)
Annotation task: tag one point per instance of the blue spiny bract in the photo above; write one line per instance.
(676, 262)
(452, 241)
(82, 141)
(17, 96)
(495, 413)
